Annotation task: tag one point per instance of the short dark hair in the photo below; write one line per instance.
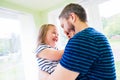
(74, 8)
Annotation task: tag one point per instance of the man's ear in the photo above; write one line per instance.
(72, 17)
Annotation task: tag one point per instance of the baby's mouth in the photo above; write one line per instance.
(55, 39)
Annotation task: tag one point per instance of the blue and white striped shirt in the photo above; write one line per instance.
(45, 64)
(89, 54)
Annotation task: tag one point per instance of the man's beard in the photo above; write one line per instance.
(72, 27)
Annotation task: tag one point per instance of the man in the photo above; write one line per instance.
(88, 55)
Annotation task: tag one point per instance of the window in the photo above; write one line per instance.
(11, 64)
(17, 41)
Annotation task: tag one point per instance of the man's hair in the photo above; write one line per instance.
(74, 8)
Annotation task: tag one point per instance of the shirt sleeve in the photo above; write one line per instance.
(79, 55)
(40, 48)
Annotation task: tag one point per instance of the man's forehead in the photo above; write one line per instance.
(61, 19)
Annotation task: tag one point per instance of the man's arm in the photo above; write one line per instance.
(62, 73)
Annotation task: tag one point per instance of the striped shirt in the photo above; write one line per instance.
(89, 54)
(45, 64)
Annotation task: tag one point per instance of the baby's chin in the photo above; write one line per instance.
(54, 41)
(53, 45)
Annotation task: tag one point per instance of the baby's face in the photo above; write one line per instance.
(70, 34)
(51, 36)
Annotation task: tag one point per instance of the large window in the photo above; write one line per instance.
(11, 64)
(17, 41)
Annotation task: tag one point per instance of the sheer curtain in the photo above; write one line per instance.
(28, 40)
(24, 27)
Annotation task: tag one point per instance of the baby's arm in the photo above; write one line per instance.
(51, 54)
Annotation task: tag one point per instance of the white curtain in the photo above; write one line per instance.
(28, 40)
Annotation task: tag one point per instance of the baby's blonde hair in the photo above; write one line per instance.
(43, 32)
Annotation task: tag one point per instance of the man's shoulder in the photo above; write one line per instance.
(89, 33)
